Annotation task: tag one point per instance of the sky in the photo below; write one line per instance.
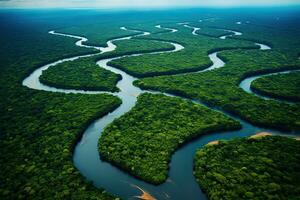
(140, 3)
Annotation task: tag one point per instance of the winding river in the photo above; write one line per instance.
(181, 183)
(246, 84)
(195, 29)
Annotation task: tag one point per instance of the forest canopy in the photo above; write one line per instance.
(143, 140)
(261, 168)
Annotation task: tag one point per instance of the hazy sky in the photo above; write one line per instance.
(141, 3)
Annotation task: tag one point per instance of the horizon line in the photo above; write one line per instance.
(295, 5)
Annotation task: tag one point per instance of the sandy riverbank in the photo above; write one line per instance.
(260, 135)
(216, 142)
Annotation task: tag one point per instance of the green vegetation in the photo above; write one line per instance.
(208, 31)
(282, 86)
(220, 88)
(266, 168)
(285, 41)
(99, 33)
(95, 34)
(83, 74)
(192, 58)
(39, 129)
(281, 35)
(142, 140)
(212, 32)
(36, 150)
(137, 45)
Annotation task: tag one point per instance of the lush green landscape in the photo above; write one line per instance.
(97, 37)
(192, 58)
(282, 86)
(281, 34)
(40, 130)
(85, 74)
(82, 74)
(220, 88)
(43, 142)
(134, 141)
(262, 168)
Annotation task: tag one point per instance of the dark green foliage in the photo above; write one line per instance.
(208, 31)
(266, 168)
(99, 33)
(142, 140)
(36, 149)
(192, 58)
(280, 39)
(283, 86)
(212, 32)
(281, 33)
(83, 74)
(220, 88)
(38, 130)
(137, 45)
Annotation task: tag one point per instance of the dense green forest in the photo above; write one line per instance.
(209, 31)
(95, 36)
(36, 150)
(262, 168)
(134, 141)
(280, 33)
(98, 37)
(212, 32)
(39, 129)
(282, 86)
(192, 58)
(220, 87)
(85, 74)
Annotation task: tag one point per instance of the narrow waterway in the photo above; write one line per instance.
(246, 84)
(181, 183)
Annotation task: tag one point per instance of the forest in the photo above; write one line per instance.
(281, 34)
(245, 168)
(209, 31)
(85, 74)
(220, 87)
(99, 33)
(282, 86)
(82, 74)
(39, 129)
(134, 141)
(192, 58)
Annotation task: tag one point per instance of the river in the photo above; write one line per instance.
(181, 183)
